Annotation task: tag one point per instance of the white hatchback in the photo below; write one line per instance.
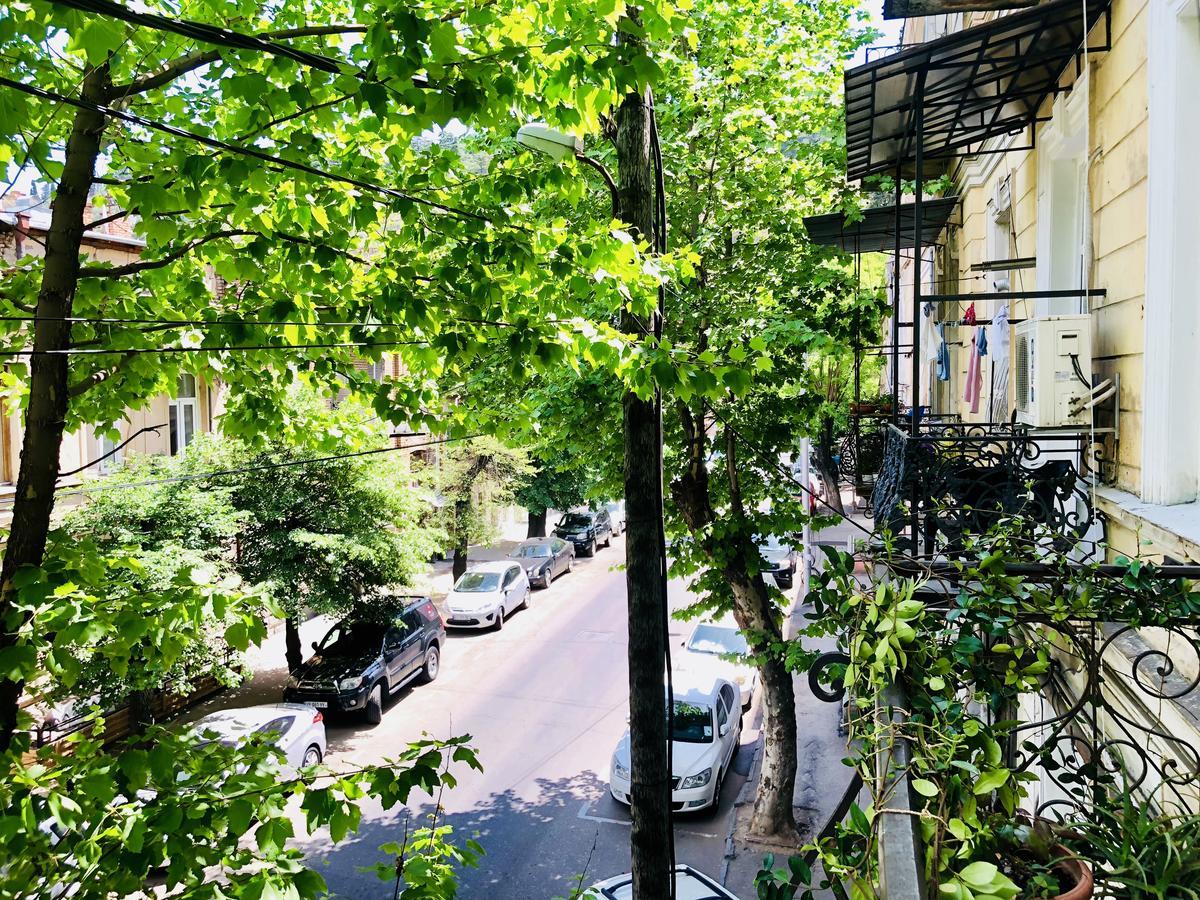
(295, 728)
(705, 657)
(484, 596)
(707, 730)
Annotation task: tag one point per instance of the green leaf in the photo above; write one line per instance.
(924, 787)
(990, 780)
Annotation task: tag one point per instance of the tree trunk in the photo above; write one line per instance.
(461, 510)
(293, 653)
(828, 470)
(773, 815)
(46, 415)
(537, 523)
(141, 709)
(754, 612)
(650, 799)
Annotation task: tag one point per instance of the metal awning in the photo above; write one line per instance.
(876, 230)
(975, 84)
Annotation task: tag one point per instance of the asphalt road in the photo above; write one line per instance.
(545, 702)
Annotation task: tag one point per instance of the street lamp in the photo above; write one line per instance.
(557, 145)
(554, 143)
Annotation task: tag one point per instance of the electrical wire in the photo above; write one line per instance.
(251, 152)
(132, 351)
(109, 484)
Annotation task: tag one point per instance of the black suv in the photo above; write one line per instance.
(377, 649)
(586, 529)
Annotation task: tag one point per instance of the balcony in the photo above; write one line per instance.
(953, 480)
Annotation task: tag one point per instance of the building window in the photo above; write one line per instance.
(108, 455)
(185, 413)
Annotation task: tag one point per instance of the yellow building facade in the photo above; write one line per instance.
(1105, 199)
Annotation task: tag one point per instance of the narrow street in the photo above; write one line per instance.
(545, 702)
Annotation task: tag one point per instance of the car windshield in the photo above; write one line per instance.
(353, 639)
(532, 551)
(478, 582)
(693, 723)
(576, 520)
(770, 544)
(716, 639)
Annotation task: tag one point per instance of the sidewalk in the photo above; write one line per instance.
(821, 778)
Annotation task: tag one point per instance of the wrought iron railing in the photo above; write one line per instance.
(955, 479)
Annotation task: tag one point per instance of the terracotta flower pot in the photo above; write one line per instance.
(1079, 871)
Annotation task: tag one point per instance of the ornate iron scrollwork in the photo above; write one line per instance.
(964, 477)
(1109, 691)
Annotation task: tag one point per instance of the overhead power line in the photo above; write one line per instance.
(103, 351)
(250, 152)
(112, 484)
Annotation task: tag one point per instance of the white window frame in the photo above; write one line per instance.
(180, 403)
(104, 445)
(1170, 401)
(1063, 202)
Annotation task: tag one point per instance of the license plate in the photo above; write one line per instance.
(319, 704)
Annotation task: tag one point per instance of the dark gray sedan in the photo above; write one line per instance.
(544, 559)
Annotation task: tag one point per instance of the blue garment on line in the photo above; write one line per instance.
(981, 341)
(943, 355)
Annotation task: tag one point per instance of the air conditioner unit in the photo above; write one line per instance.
(1050, 355)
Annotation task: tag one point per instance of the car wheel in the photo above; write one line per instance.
(608, 540)
(591, 549)
(374, 710)
(528, 594)
(312, 756)
(499, 626)
(433, 663)
(570, 563)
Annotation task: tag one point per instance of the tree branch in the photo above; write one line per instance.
(99, 377)
(134, 268)
(181, 65)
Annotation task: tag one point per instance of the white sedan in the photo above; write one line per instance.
(707, 729)
(705, 657)
(295, 728)
(484, 596)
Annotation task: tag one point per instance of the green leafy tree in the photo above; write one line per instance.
(747, 120)
(172, 534)
(475, 478)
(556, 483)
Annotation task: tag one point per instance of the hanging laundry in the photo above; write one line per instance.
(943, 355)
(998, 338)
(974, 375)
(969, 316)
(930, 340)
(981, 341)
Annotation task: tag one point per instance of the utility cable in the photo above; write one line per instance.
(112, 484)
(250, 152)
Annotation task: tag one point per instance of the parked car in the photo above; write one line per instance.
(616, 515)
(690, 884)
(298, 729)
(703, 657)
(708, 727)
(544, 559)
(779, 560)
(484, 596)
(587, 529)
(376, 650)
